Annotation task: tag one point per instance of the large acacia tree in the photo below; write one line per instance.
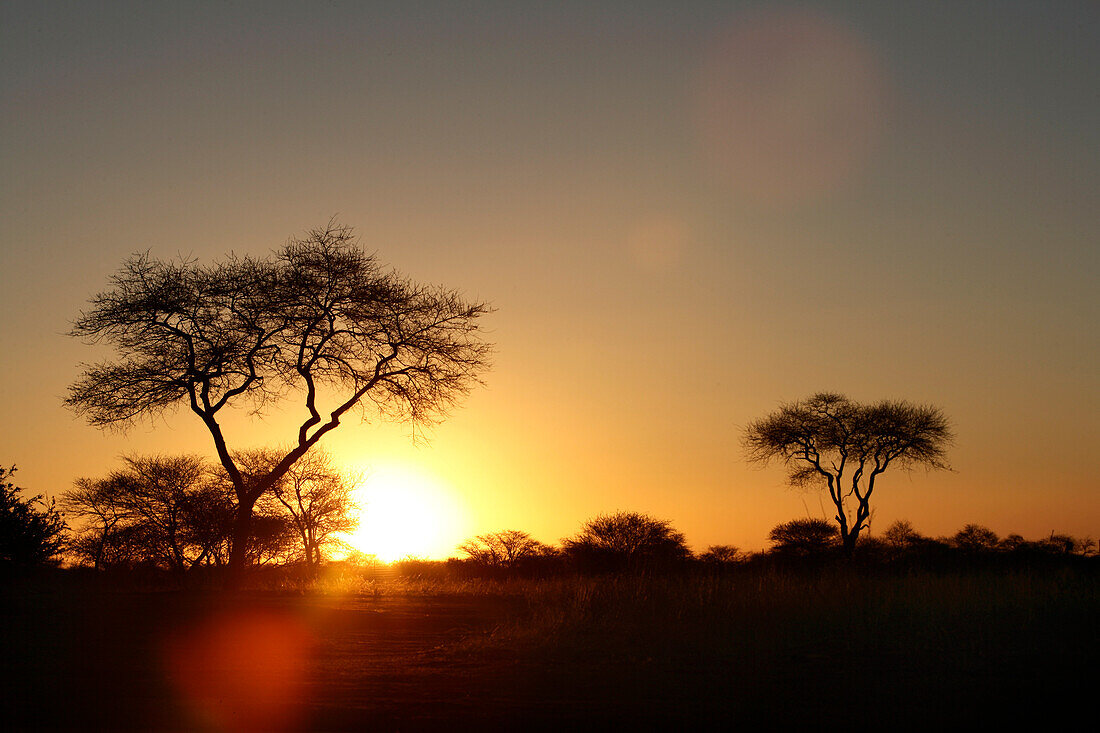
(829, 440)
(320, 319)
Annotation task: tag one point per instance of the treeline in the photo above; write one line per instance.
(900, 540)
(177, 513)
(632, 541)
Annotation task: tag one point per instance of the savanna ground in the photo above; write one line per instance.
(763, 646)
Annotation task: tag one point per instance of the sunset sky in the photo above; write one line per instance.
(684, 213)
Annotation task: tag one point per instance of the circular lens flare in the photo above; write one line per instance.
(787, 105)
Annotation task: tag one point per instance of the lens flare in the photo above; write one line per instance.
(787, 105)
(241, 670)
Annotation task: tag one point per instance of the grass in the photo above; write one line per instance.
(927, 613)
(751, 643)
(758, 643)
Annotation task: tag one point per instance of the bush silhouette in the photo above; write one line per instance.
(721, 555)
(627, 540)
(505, 549)
(975, 538)
(31, 530)
(804, 537)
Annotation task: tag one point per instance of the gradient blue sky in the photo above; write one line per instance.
(685, 213)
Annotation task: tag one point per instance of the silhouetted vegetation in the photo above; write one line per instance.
(804, 537)
(831, 441)
(627, 540)
(722, 555)
(177, 513)
(312, 496)
(321, 318)
(31, 529)
(162, 511)
(509, 551)
(974, 538)
(751, 643)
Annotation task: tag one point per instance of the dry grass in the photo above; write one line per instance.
(761, 645)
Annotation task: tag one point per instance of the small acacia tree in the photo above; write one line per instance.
(832, 441)
(172, 512)
(148, 503)
(315, 497)
(976, 538)
(503, 549)
(321, 319)
(806, 537)
(722, 555)
(626, 539)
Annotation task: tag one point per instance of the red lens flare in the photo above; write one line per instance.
(242, 670)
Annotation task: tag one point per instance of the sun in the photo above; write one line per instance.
(407, 512)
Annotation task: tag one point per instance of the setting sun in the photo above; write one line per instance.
(407, 512)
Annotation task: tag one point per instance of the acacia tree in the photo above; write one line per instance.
(503, 549)
(721, 555)
(832, 441)
(321, 319)
(626, 539)
(316, 497)
(97, 503)
(158, 497)
(803, 537)
(155, 510)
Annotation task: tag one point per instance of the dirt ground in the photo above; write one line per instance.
(175, 661)
(271, 662)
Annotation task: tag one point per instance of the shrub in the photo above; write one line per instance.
(31, 530)
(804, 537)
(976, 538)
(627, 540)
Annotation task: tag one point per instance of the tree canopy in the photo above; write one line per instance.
(170, 512)
(320, 319)
(829, 440)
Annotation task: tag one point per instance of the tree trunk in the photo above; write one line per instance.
(848, 542)
(239, 544)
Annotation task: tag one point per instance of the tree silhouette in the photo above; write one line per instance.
(803, 537)
(503, 549)
(832, 441)
(171, 512)
(626, 539)
(721, 555)
(32, 532)
(162, 511)
(901, 535)
(320, 318)
(316, 498)
(101, 538)
(976, 538)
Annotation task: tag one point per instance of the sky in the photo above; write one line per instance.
(685, 214)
